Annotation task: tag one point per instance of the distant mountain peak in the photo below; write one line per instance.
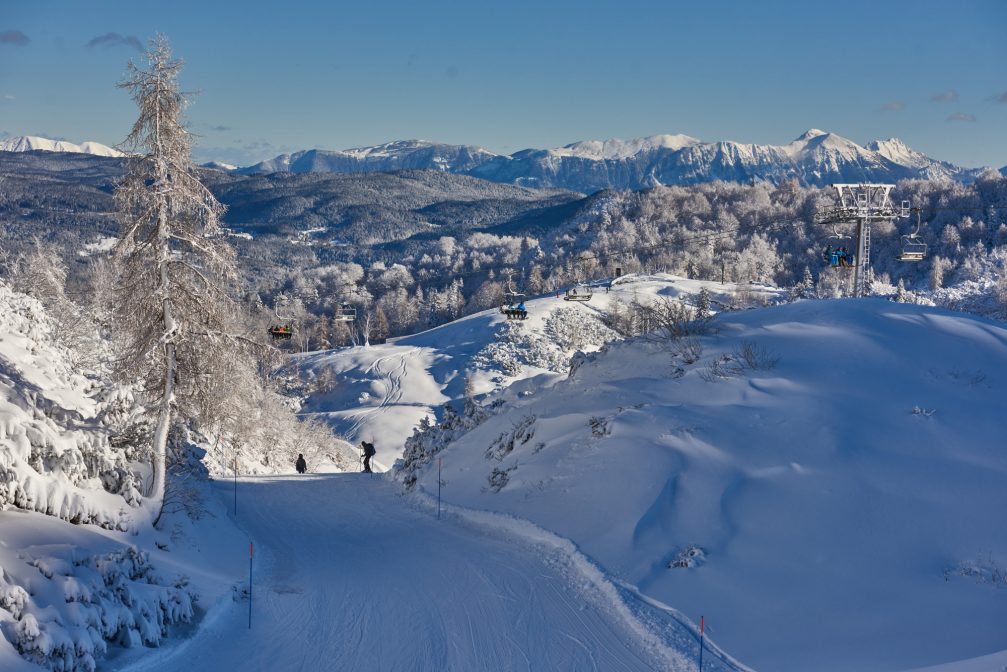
(811, 134)
(31, 143)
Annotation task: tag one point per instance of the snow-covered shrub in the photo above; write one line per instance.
(574, 329)
(521, 433)
(690, 556)
(499, 478)
(516, 346)
(59, 450)
(109, 598)
(429, 439)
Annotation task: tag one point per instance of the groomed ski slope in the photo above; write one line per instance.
(350, 575)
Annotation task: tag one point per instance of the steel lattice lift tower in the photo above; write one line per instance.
(863, 204)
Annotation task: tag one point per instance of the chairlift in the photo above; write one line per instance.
(284, 330)
(580, 292)
(281, 331)
(345, 313)
(514, 308)
(913, 247)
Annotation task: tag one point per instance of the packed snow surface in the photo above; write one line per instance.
(349, 575)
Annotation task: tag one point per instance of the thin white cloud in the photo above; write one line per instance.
(948, 96)
(961, 116)
(893, 106)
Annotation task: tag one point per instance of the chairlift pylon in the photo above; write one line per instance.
(913, 247)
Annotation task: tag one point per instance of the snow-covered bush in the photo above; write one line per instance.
(59, 449)
(516, 347)
(574, 329)
(87, 604)
(429, 439)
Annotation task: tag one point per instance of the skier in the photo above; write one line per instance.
(301, 465)
(369, 452)
(521, 308)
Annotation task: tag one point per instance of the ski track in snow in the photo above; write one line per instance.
(351, 576)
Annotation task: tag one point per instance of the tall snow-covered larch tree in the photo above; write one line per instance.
(171, 307)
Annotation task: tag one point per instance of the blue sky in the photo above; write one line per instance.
(281, 76)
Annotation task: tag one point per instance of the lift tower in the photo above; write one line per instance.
(863, 204)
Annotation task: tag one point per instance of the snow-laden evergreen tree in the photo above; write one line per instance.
(171, 305)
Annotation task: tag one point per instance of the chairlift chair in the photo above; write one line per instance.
(579, 292)
(913, 247)
(512, 306)
(345, 313)
(837, 254)
(281, 331)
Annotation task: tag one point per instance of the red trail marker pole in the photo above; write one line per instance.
(249, 585)
(702, 635)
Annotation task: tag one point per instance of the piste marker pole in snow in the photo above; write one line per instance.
(438, 488)
(249, 585)
(236, 483)
(702, 635)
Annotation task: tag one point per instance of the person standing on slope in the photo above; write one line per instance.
(369, 452)
(301, 465)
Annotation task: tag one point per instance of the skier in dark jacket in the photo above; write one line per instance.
(301, 465)
(369, 452)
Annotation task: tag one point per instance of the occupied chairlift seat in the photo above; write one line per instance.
(281, 331)
(579, 293)
(511, 310)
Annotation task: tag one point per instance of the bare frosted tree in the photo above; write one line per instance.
(171, 306)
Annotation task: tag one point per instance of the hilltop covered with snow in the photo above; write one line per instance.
(30, 143)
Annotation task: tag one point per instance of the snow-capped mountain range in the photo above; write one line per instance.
(816, 157)
(31, 143)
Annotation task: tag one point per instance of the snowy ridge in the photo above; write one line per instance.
(816, 157)
(30, 143)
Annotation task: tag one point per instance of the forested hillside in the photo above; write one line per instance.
(417, 248)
